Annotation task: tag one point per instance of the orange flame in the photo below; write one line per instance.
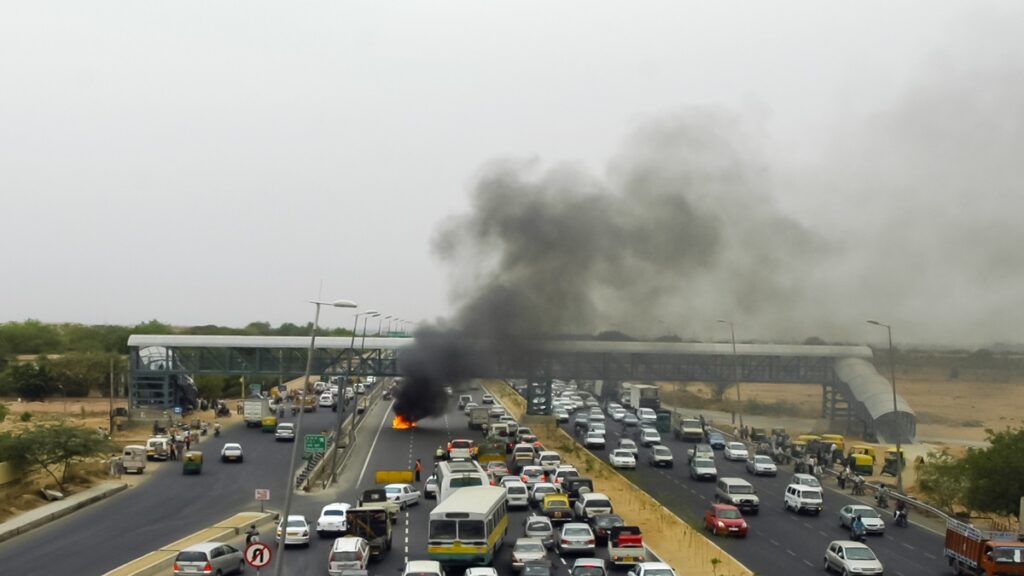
(400, 423)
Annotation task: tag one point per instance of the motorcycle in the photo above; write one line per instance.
(882, 500)
(858, 534)
(900, 518)
(295, 410)
(216, 429)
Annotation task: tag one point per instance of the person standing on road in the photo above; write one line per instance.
(419, 468)
(188, 441)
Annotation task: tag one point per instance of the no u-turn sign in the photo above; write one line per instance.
(257, 554)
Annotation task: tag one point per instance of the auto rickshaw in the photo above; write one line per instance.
(836, 439)
(269, 423)
(192, 462)
(808, 438)
(889, 465)
(861, 459)
(797, 449)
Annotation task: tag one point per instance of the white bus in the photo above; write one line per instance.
(455, 474)
(469, 527)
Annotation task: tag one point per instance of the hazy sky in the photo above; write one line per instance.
(215, 162)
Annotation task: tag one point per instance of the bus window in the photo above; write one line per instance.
(471, 530)
(442, 530)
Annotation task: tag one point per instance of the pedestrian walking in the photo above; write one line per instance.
(172, 450)
(842, 479)
(113, 466)
(188, 442)
(419, 468)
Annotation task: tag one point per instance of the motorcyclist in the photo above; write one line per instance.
(857, 529)
(216, 428)
(252, 535)
(882, 498)
(900, 514)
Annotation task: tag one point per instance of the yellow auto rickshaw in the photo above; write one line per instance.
(862, 459)
(269, 423)
(836, 439)
(808, 438)
(889, 465)
(798, 448)
(192, 462)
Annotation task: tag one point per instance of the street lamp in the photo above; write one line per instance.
(341, 413)
(380, 323)
(895, 410)
(735, 369)
(389, 317)
(279, 562)
(366, 317)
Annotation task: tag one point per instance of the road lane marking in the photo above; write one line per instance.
(930, 556)
(808, 563)
(773, 542)
(790, 552)
(374, 445)
(908, 546)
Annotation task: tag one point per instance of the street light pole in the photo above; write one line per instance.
(735, 369)
(895, 409)
(345, 383)
(279, 561)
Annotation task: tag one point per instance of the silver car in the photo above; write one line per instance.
(849, 557)
(873, 523)
(703, 469)
(575, 537)
(526, 550)
(221, 558)
(540, 527)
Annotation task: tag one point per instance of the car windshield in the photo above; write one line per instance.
(392, 490)
(608, 521)
(334, 513)
(461, 444)
(534, 472)
(741, 489)
(516, 489)
(555, 503)
(658, 572)
(464, 481)
(536, 570)
(662, 451)
(736, 446)
(729, 514)
(763, 460)
(296, 523)
(187, 556)
(859, 553)
(623, 453)
(598, 503)
(576, 532)
(528, 547)
(701, 463)
(1008, 555)
(442, 530)
(865, 512)
(538, 526)
(587, 571)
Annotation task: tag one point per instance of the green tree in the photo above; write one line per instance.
(153, 327)
(942, 479)
(995, 475)
(30, 381)
(31, 337)
(4, 411)
(54, 448)
(80, 373)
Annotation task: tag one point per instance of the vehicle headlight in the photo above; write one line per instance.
(721, 524)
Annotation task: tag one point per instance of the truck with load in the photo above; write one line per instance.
(479, 418)
(688, 429)
(309, 402)
(974, 552)
(644, 396)
(378, 498)
(372, 525)
(254, 410)
(625, 545)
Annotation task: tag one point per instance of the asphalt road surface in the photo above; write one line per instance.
(163, 508)
(780, 541)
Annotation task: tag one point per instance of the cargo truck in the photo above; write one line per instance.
(372, 525)
(644, 396)
(255, 410)
(688, 429)
(625, 545)
(974, 552)
(378, 498)
(479, 418)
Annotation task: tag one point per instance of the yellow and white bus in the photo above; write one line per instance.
(456, 474)
(469, 527)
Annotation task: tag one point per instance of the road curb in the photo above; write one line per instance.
(50, 512)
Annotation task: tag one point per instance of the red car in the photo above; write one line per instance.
(725, 520)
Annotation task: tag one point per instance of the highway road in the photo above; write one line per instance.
(780, 542)
(164, 507)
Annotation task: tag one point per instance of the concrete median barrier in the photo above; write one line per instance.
(229, 531)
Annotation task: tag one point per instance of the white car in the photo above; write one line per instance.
(594, 440)
(348, 553)
(646, 415)
(285, 431)
(539, 490)
(873, 523)
(622, 459)
(297, 531)
(628, 445)
(326, 400)
(651, 569)
(592, 503)
(598, 427)
(404, 494)
(760, 464)
(430, 487)
(848, 557)
(423, 568)
(231, 452)
(480, 571)
(332, 519)
(649, 437)
(736, 451)
(617, 414)
(517, 494)
(561, 415)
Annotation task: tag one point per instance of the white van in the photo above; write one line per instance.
(549, 460)
(348, 553)
(517, 495)
(739, 493)
(799, 498)
(806, 480)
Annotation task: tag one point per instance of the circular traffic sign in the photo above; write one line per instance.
(257, 554)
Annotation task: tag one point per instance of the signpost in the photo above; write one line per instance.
(257, 555)
(177, 410)
(255, 389)
(315, 443)
(262, 495)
